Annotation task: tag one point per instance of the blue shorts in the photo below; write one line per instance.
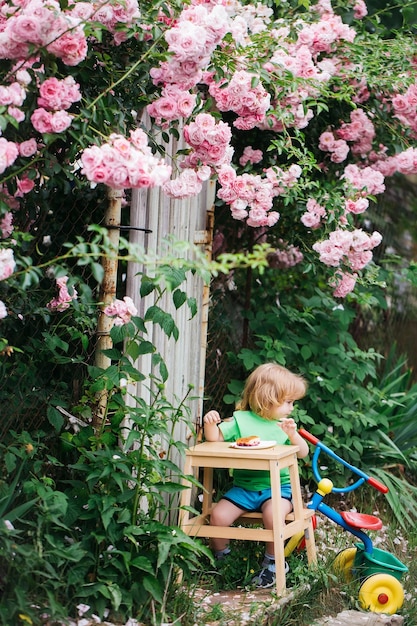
(253, 500)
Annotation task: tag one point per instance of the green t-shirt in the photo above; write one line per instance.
(245, 424)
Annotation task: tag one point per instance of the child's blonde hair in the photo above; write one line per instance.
(268, 386)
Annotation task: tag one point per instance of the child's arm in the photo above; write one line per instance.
(289, 427)
(212, 431)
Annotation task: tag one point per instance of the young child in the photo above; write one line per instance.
(267, 401)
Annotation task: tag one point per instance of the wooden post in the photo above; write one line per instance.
(107, 295)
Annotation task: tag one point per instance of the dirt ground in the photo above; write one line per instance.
(241, 604)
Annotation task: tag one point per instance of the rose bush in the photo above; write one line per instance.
(300, 111)
(277, 71)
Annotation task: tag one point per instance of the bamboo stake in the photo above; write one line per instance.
(107, 295)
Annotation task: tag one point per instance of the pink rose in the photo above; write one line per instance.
(343, 284)
(28, 148)
(18, 114)
(64, 298)
(121, 310)
(25, 185)
(9, 152)
(71, 47)
(6, 225)
(41, 120)
(7, 263)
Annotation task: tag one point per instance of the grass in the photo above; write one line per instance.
(314, 592)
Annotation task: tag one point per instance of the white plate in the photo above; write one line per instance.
(260, 446)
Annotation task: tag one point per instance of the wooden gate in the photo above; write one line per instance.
(188, 220)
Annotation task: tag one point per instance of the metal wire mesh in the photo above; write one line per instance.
(46, 362)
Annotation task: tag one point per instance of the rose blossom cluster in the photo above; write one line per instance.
(323, 35)
(305, 58)
(250, 156)
(13, 96)
(63, 300)
(360, 9)
(282, 180)
(353, 248)
(249, 196)
(314, 214)
(285, 257)
(125, 163)
(210, 141)
(405, 108)
(7, 263)
(367, 180)
(121, 310)
(349, 248)
(6, 220)
(55, 96)
(248, 19)
(250, 102)
(188, 184)
(191, 42)
(338, 148)
(404, 162)
(360, 131)
(38, 24)
(110, 14)
(343, 283)
(173, 104)
(42, 24)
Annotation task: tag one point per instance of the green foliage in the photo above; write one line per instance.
(88, 514)
(312, 337)
(364, 412)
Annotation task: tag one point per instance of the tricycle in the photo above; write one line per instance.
(378, 571)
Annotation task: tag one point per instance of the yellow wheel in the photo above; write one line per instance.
(381, 593)
(343, 563)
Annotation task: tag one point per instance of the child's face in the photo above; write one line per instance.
(282, 410)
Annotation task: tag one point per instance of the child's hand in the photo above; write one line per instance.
(288, 425)
(212, 417)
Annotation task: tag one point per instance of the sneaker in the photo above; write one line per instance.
(266, 577)
(223, 554)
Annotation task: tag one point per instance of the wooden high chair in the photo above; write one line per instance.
(210, 455)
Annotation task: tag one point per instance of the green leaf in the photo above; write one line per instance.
(98, 271)
(153, 587)
(179, 297)
(163, 552)
(192, 305)
(10, 461)
(163, 319)
(170, 487)
(146, 347)
(142, 563)
(115, 595)
(306, 352)
(147, 286)
(55, 418)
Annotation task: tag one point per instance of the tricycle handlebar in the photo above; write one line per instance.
(322, 447)
(306, 435)
(377, 485)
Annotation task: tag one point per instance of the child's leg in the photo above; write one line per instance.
(286, 507)
(223, 514)
(266, 577)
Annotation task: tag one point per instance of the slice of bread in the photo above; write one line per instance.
(252, 440)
